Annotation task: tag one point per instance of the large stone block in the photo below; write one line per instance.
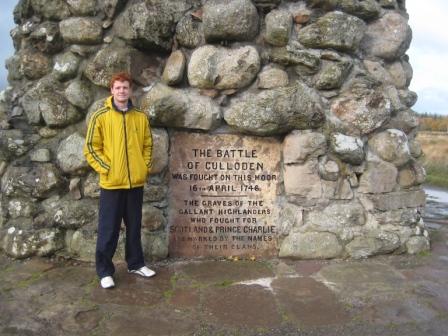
(336, 217)
(116, 58)
(379, 177)
(43, 101)
(181, 108)
(397, 200)
(37, 181)
(70, 155)
(150, 25)
(20, 244)
(278, 27)
(276, 111)
(372, 244)
(223, 68)
(364, 114)
(174, 68)
(303, 180)
(388, 37)
(298, 146)
(51, 9)
(79, 30)
(235, 20)
(349, 149)
(311, 245)
(391, 146)
(160, 150)
(335, 30)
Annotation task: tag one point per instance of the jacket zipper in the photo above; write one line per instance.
(126, 149)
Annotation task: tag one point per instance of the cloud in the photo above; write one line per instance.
(428, 54)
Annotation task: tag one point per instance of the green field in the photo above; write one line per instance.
(435, 157)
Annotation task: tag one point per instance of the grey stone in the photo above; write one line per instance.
(112, 7)
(174, 68)
(271, 77)
(303, 180)
(72, 214)
(311, 245)
(51, 9)
(307, 60)
(404, 120)
(336, 217)
(160, 150)
(417, 244)
(81, 30)
(389, 4)
(229, 20)
(40, 155)
(415, 148)
(154, 193)
(365, 9)
(66, 66)
(70, 156)
(152, 218)
(116, 58)
(401, 74)
(12, 143)
(82, 7)
(391, 146)
(91, 187)
(278, 27)
(150, 25)
(349, 149)
(397, 200)
(378, 71)
(382, 242)
(44, 101)
(299, 146)
(155, 245)
(37, 181)
(79, 93)
(332, 75)
(21, 244)
(379, 177)
(81, 244)
(21, 207)
(388, 37)
(223, 68)
(47, 38)
(328, 169)
(189, 32)
(291, 217)
(276, 111)
(170, 107)
(361, 116)
(34, 65)
(400, 217)
(407, 97)
(335, 30)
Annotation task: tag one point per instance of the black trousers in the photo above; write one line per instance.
(117, 205)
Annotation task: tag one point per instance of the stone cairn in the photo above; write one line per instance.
(329, 77)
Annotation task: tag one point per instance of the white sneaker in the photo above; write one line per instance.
(143, 271)
(107, 282)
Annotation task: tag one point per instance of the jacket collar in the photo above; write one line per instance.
(109, 102)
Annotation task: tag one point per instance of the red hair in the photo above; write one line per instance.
(120, 77)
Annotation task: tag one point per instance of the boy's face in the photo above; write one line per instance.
(121, 92)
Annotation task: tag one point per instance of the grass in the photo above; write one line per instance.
(435, 157)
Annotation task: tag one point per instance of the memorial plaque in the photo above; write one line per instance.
(223, 192)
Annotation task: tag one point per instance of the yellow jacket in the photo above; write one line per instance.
(119, 146)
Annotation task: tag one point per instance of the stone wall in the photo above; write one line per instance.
(328, 78)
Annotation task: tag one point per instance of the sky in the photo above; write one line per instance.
(428, 53)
